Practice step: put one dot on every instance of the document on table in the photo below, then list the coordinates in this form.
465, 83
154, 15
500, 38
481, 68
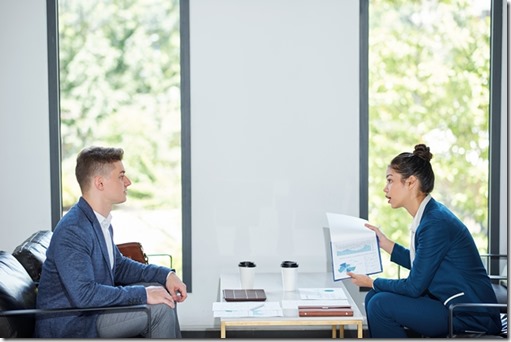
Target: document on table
354, 247
322, 293
247, 309
294, 304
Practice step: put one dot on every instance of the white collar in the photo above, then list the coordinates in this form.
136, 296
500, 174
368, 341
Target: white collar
104, 221
418, 216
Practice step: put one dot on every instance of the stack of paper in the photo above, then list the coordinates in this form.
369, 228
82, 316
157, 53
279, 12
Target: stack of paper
318, 297
247, 309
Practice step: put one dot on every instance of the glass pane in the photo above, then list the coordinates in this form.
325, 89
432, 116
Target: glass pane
120, 86
429, 83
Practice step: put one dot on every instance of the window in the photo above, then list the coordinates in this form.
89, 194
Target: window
429, 77
119, 66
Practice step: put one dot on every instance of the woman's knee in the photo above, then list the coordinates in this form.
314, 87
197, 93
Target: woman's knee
379, 301
368, 297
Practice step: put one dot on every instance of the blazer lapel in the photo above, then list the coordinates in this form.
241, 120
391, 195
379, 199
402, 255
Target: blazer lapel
99, 236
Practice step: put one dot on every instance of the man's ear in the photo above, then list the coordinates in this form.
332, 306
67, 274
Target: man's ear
98, 182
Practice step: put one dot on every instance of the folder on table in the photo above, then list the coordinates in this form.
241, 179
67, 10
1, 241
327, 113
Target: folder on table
324, 311
244, 295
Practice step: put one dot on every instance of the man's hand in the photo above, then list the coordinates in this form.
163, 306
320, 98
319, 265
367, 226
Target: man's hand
158, 295
361, 279
176, 287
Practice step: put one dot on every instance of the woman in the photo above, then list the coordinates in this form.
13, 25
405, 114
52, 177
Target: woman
445, 266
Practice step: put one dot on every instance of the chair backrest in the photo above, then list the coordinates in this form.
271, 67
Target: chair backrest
32, 252
17, 291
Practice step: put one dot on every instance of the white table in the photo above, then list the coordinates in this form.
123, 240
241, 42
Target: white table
272, 284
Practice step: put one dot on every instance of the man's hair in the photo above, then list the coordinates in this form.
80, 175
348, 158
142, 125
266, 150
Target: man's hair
92, 161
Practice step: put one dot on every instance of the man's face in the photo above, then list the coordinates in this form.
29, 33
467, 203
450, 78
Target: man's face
116, 184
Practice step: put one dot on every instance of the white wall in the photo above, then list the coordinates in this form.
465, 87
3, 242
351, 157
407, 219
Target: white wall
24, 128
274, 143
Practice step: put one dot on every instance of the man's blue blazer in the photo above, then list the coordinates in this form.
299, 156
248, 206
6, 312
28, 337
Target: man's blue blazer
77, 274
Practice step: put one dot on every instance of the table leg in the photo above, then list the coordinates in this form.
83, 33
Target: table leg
341, 331
359, 329
334, 331
222, 330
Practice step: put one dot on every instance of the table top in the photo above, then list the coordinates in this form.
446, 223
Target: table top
272, 284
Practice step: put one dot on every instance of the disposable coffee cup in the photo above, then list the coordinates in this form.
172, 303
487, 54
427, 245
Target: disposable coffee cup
289, 271
247, 274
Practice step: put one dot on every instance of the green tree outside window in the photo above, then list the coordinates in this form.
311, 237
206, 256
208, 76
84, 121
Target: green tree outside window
429, 83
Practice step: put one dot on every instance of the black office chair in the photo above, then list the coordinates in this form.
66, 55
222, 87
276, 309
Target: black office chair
18, 294
499, 283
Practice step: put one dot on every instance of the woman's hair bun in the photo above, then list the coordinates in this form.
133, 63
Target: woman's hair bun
422, 151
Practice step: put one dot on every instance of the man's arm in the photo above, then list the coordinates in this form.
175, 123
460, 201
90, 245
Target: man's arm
129, 272
82, 270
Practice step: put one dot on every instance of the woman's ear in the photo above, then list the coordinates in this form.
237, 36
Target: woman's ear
412, 181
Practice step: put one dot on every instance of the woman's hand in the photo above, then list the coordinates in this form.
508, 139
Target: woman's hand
385, 244
361, 279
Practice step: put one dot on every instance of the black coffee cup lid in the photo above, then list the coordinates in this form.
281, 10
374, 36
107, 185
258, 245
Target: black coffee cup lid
289, 264
246, 264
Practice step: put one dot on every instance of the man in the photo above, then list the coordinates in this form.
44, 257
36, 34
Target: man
84, 268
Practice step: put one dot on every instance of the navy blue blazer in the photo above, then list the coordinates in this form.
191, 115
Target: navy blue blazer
77, 273
447, 264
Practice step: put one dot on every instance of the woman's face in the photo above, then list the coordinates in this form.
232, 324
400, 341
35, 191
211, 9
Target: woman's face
395, 189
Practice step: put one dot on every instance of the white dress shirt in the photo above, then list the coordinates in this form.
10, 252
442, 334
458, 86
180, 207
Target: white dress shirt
105, 227
415, 223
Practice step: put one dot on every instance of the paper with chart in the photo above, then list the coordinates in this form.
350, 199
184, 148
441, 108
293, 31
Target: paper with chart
354, 247
247, 309
322, 293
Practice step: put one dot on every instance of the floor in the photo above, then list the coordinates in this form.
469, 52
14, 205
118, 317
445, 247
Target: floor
271, 334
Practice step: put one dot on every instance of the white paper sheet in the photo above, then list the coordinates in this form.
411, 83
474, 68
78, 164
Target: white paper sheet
354, 247
322, 293
294, 304
247, 309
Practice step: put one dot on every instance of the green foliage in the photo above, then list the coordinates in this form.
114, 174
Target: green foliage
120, 79
429, 83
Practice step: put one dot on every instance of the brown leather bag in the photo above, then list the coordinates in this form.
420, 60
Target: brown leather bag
134, 251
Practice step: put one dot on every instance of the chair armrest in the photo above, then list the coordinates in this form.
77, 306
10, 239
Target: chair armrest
491, 255
141, 307
453, 307
162, 254
493, 263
